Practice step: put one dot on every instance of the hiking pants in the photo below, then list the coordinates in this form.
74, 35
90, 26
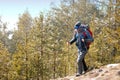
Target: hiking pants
85, 68
81, 55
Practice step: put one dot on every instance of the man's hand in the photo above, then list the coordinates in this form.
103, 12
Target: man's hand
83, 40
68, 43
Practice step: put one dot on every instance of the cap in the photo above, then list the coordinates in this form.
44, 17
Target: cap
77, 25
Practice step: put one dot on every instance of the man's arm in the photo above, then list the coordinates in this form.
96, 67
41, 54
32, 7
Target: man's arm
73, 39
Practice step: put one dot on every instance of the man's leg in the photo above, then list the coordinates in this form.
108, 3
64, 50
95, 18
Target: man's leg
81, 56
85, 68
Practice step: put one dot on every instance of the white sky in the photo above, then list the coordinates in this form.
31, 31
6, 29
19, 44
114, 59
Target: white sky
10, 9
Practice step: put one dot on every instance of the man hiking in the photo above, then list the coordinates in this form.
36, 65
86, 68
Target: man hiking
80, 37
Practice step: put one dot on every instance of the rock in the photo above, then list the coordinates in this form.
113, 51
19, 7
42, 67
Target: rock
112, 65
118, 73
108, 72
94, 75
100, 70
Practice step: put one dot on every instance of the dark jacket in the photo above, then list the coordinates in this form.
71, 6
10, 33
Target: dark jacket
79, 43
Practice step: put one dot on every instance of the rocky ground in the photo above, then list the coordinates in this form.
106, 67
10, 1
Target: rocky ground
108, 72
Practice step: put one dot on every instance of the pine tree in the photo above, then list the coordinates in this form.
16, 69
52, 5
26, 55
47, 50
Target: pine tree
4, 63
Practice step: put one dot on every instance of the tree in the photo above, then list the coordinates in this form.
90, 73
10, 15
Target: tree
106, 37
21, 38
117, 11
4, 62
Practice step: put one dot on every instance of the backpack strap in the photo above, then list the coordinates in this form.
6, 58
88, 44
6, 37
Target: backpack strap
85, 35
87, 43
90, 32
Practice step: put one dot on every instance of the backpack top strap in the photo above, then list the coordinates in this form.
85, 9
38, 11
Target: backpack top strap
85, 35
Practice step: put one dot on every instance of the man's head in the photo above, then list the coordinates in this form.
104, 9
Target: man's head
77, 27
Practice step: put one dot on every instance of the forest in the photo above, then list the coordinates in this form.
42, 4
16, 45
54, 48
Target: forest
37, 50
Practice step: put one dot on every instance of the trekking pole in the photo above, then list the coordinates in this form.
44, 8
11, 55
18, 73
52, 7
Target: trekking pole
67, 67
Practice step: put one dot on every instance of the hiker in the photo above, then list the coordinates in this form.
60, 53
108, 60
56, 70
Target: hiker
80, 35
78, 24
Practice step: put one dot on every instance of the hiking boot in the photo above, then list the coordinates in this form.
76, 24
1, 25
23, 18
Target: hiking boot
86, 69
83, 72
78, 74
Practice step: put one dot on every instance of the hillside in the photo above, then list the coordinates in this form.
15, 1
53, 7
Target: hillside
108, 72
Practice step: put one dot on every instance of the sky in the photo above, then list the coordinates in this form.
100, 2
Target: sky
11, 9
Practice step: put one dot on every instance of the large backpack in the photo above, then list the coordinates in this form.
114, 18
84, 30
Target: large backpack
88, 34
